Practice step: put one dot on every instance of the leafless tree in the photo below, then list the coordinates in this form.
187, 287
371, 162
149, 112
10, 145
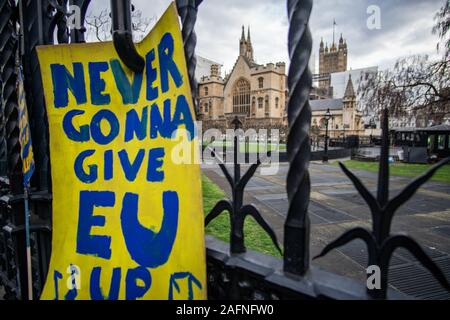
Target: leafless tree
99, 25
442, 28
415, 86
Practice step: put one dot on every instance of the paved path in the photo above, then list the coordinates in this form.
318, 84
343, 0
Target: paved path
336, 207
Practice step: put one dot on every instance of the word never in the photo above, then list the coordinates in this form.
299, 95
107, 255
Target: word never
64, 81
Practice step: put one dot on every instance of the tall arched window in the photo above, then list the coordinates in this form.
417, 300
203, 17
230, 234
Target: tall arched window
277, 102
261, 82
260, 102
206, 91
241, 96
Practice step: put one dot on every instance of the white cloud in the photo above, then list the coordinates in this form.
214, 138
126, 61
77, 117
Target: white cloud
406, 28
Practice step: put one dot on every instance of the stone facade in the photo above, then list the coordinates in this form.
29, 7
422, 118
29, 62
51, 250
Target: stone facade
346, 119
254, 93
257, 94
333, 59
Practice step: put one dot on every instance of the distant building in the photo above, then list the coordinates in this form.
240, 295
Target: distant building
257, 94
254, 93
359, 77
334, 94
333, 59
346, 120
203, 67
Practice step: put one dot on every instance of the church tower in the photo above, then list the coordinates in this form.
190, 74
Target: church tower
332, 59
349, 108
249, 46
245, 45
242, 43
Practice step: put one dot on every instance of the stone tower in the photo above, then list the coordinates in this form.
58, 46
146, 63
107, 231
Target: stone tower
245, 45
332, 60
210, 95
349, 108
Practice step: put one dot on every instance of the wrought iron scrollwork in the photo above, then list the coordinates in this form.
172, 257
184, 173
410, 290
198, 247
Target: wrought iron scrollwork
380, 243
297, 225
237, 211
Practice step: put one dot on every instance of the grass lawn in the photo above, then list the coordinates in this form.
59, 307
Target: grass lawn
255, 237
402, 169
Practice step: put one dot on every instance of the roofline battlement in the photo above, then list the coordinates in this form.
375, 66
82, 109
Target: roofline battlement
209, 79
279, 66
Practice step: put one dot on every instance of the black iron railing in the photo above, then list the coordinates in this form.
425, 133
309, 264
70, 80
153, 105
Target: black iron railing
233, 272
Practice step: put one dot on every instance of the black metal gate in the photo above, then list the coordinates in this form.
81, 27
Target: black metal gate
232, 271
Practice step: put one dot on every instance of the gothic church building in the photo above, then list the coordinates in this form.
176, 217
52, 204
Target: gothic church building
254, 93
257, 94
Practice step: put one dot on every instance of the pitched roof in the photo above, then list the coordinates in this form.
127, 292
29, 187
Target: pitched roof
246, 60
439, 127
349, 90
324, 104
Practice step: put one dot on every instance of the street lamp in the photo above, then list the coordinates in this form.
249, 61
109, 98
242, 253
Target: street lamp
327, 117
343, 133
372, 125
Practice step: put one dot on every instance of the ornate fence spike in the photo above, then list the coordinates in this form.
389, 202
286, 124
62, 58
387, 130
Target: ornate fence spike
237, 211
297, 225
380, 243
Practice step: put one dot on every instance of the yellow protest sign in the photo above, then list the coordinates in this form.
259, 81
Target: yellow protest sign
26, 150
127, 219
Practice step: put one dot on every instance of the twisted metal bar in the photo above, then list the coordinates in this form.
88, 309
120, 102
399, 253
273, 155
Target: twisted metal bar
5, 34
40, 18
297, 225
9, 41
59, 20
3, 154
187, 10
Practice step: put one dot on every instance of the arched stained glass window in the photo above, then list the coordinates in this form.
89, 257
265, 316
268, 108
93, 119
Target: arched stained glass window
241, 96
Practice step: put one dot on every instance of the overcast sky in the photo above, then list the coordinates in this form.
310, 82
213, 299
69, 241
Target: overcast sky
405, 28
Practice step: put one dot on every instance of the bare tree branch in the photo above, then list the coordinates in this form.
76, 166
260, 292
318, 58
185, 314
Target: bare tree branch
99, 25
415, 86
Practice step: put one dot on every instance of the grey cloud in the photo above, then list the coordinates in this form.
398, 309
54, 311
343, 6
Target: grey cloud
406, 28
